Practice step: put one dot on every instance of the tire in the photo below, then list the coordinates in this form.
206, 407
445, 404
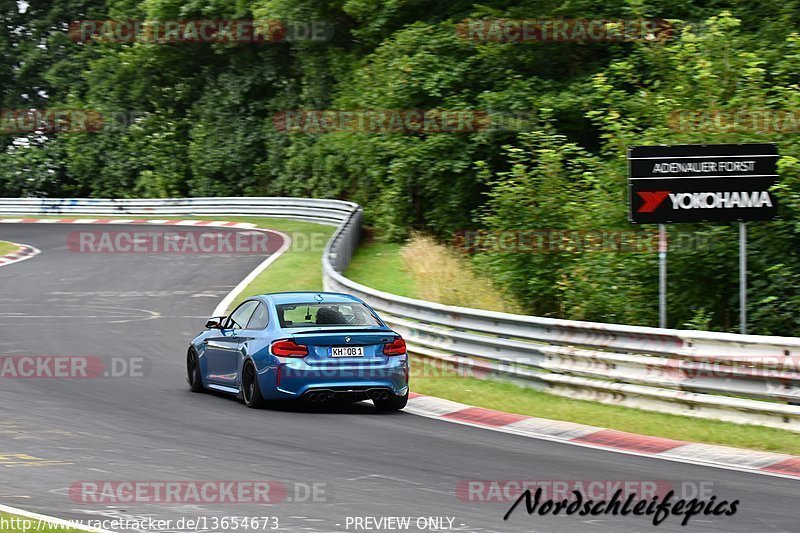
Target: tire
395, 403
251, 391
193, 372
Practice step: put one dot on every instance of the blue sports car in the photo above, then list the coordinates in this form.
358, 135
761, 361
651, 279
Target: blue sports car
316, 346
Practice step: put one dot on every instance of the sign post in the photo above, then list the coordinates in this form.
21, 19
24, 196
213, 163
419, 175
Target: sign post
743, 277
662, 275
702, 183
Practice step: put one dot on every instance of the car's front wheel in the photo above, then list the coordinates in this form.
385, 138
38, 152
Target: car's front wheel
251, 392
394, 403
193, 371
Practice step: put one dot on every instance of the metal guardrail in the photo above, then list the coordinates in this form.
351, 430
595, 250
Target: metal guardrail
317, 210
740, 378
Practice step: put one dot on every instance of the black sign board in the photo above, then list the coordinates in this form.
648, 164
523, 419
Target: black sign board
696, 183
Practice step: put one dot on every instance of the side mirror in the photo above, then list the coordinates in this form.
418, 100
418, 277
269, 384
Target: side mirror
215, 322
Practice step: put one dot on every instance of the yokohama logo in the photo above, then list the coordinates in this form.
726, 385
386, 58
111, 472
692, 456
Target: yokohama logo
652, 199
704, 200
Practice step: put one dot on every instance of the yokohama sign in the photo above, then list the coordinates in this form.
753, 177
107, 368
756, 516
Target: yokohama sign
694, 183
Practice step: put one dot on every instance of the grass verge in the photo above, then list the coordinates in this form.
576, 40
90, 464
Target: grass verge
424, 269
513, 398
7, 247
380, 265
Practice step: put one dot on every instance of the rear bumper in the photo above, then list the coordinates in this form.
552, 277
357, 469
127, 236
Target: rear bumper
349, 394
296, 379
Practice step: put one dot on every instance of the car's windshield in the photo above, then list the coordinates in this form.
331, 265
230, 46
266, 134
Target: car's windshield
301, 315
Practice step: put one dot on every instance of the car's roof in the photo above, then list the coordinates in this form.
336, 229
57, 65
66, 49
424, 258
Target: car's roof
308, 297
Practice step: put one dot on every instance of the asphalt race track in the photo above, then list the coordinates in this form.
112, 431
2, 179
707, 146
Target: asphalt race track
56, 432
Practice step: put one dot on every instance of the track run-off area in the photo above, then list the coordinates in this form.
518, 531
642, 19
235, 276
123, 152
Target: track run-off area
326, 467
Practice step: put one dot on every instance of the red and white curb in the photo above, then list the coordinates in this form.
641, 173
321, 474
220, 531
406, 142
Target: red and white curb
24, 252
765, 463
211, 223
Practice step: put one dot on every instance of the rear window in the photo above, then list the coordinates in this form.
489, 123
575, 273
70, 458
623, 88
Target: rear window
305, 315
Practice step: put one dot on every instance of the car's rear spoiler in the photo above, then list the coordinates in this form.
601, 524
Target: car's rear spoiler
339, 329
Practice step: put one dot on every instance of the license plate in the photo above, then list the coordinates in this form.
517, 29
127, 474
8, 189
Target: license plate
347, 351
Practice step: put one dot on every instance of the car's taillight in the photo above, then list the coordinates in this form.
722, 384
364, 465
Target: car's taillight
396, 347
288, 348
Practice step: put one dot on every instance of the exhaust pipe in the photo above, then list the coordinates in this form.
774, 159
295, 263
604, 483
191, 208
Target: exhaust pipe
320, 396
316, 396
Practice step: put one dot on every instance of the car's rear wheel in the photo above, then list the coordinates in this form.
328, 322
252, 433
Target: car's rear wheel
193, 371
394, 403
251, 392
